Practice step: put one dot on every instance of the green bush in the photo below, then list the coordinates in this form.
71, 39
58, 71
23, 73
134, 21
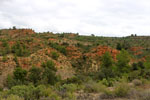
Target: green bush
70, 96
22, 91
55, 55
12, 97
121, 90
49, 73
10, 81
35, 75
70, 87
108, 94
58, 47
134, 75
20, 50
18, 78
92, 86
29, 92
123, 59
20, 74
4, 58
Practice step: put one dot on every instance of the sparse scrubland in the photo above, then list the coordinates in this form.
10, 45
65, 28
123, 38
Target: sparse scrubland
67, 66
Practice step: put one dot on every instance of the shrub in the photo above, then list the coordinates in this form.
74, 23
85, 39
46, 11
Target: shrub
123, 59
92, 86
108, 94
10, 82
16, 60
43, 91
49, 73
55, 55
144, 95
4, 58
70, 87
70, 96
22, 91
29, 92
121, 90
137, 82
13, 97
134, 75
35, 75
108, 82
54, 96
20, 50
20, 74
58, 47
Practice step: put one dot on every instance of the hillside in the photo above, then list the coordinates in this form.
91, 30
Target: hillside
71, 53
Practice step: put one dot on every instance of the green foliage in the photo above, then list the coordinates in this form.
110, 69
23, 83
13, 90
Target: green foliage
49, 64
29, 92
55, 55
107, 60
20, 50
76, 80
10, 81
58, 47
70, 87
119, 47
14, 28
121, 90
123, 61
6, 48
4, 58
134, 75
147, 63
20, 74
49, 73
35, 75
16, 60
5, 43
107, 69
92, 86
108, 82
12, 97
22, 91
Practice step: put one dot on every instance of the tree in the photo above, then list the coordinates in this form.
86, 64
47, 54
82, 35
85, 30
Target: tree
49, 74
34, 75
107, 69
14, 28
119, 47
107, 60
20, 74
123, 61
126, 45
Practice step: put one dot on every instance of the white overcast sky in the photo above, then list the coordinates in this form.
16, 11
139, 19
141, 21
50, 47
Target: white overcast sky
99, 17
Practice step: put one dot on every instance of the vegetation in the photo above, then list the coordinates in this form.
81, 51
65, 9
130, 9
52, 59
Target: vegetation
76, 68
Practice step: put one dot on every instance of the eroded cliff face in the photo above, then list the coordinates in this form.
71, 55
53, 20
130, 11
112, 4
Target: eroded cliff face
100, 50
